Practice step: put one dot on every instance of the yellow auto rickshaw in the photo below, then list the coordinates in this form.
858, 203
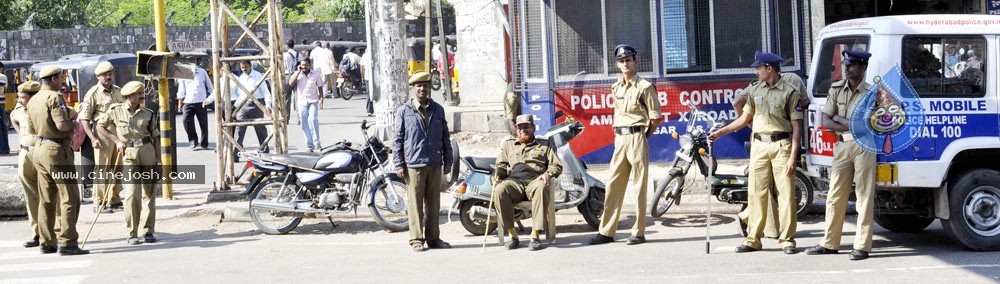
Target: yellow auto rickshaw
415, 48
17, 72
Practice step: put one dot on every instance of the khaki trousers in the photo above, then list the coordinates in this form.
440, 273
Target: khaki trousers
629, 168
850, 164
423, 203
510, 192
29, 182
103, 161
140, 195
57, 196
767, 167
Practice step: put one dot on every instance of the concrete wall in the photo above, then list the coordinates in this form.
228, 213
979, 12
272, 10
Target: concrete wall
47, 45
481, 56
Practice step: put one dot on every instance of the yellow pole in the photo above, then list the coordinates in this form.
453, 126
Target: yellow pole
427, 37
166, 130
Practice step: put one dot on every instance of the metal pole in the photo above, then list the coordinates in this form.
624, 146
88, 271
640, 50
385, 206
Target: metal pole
446, 67
708, 213
166, 129
427, 37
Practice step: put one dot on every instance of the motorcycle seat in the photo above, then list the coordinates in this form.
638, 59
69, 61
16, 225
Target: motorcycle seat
302, 160
482, 163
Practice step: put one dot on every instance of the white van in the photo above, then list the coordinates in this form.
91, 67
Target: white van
952, 171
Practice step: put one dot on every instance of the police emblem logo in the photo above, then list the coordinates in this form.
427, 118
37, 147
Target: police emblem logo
889, 117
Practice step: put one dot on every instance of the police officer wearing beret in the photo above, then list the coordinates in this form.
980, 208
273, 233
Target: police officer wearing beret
53, 158
776, 115
137, 138
96, 103
25, 168
421, 146
850, 162
637, 115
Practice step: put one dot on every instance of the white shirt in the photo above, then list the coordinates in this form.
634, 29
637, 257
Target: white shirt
291, 61
249, 81
322, 60
366, 64
353, 58
195, 91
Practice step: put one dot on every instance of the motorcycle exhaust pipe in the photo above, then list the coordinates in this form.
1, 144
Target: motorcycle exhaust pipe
479, 213
303, 207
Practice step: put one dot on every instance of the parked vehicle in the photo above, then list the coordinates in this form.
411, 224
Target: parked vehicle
349, 85
344, 177
17, 72
728, 188
574, 188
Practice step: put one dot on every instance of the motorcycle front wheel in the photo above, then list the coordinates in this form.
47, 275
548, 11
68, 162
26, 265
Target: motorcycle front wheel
593, 207
345, 92
663, 197
472, 225
269, 221
389, 207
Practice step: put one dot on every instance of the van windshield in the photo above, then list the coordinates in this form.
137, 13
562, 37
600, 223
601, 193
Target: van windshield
829, 68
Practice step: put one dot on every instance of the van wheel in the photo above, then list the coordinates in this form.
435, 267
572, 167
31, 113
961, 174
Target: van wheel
974, 207
903, 223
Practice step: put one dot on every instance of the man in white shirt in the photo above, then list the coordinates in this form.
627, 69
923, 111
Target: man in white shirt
194, 95
366, 63
309, 89
291, 61
323, 63
250, 110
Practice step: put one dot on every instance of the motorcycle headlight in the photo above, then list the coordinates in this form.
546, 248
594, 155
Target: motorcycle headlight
686, 142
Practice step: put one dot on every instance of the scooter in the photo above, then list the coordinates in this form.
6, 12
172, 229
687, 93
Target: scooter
574, 188
728, 188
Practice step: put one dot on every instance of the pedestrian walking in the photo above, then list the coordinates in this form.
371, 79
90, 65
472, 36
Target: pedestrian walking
773, 106
95, 105
851, 164
194, 94
421, 146
53, 158
309, 87
637, 115
25, 165
250, 111
136, 137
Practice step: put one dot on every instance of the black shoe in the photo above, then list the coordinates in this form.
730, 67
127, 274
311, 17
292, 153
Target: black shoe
600, 239
513, 244
133, 241
635, 240
820, 250
205, 148
438, 244
107, 210
31, 243
48, 249
149, 238
536, 244
118, 205
790, 250
745, 248
194, 147
73, 250
859, 255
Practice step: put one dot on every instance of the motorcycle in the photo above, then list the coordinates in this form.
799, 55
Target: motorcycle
728, 188
287, 187
348, 85
573, 188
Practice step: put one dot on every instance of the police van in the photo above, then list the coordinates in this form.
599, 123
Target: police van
951, 171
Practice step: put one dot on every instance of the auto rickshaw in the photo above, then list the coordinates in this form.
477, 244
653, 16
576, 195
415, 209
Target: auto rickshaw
17, 72
415, 52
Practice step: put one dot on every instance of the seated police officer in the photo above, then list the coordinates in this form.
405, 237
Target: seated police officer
523, 172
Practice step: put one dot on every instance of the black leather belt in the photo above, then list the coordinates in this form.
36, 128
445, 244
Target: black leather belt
138, 142
629, 130
54, 140
771, 137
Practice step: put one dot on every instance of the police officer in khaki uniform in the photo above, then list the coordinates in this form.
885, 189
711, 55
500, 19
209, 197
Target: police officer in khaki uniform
53, 158
25, 168
850, 162
138, 140
777, 127
524, 171
512, 108
95, 104
637, 115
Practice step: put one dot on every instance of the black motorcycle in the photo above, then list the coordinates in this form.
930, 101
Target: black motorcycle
349, 85
287, 187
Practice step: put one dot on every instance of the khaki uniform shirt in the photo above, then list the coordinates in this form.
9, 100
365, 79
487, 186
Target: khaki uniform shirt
130, 124
25, 134
424, 110
46, 109
636, 102
526, 161
512, 105
842, 99
773, 107
98, 100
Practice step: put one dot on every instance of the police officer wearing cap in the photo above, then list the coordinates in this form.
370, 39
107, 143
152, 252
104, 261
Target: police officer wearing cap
776, 115
524, 170
95, 104
637, 115
851, 164
133, 130
421, 146
25, 168
53, 158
